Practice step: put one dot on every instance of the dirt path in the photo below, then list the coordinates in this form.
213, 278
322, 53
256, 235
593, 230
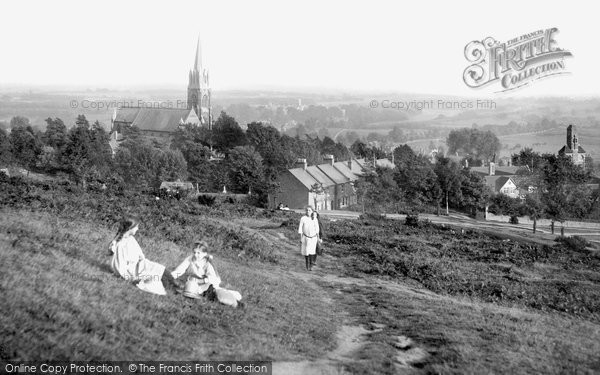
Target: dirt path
351, 336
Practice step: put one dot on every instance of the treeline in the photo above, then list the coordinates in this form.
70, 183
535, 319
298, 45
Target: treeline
226, 156
418, 185
557, 189
551, 187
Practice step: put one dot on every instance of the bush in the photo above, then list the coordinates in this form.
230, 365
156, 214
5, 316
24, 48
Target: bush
206, 200
412, 220
575, 243
371, 216
513, 219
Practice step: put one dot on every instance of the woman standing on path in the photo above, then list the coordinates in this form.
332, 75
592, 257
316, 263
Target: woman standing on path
319, 249
309, 234
130, 263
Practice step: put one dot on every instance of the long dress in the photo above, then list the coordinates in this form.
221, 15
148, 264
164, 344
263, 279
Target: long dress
309, 229
196, 270
130, 263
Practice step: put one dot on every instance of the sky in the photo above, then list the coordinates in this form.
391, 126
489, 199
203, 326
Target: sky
366, 46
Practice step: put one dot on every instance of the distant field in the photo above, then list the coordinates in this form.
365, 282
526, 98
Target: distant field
551, 141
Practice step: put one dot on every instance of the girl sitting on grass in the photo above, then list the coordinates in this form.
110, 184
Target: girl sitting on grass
203, 279
130, 263
200, 272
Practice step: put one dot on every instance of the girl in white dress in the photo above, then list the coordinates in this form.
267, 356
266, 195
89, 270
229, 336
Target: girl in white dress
309, 235
130, 263
199, 270
203, 277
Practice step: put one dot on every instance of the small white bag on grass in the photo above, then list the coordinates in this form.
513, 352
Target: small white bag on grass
228, 297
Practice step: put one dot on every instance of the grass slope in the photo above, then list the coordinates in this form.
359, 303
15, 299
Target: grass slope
61, 301
472, 303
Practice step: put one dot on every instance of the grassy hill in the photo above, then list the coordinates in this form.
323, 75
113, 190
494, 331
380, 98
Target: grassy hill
386, 297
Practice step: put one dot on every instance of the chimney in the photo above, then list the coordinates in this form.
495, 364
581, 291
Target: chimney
301, 163
330, 158
492, 168
350, 163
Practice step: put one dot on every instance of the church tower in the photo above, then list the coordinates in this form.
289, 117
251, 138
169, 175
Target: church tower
198, 97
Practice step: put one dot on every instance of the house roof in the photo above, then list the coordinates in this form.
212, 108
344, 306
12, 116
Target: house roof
176, 184
357, 166
333, 173
305, 178
496, 182
342, 167
338, 173
567, 150
320, 176
500, 171
384, 163
156, 119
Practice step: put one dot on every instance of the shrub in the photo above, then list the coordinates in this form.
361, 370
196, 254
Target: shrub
575, 243
513, 219
371, 216
206, 200
412, 220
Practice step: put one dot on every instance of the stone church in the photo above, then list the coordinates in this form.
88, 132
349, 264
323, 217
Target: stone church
162, 122
573, 149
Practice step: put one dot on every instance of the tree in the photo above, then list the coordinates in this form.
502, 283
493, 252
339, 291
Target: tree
475, 193
267, 141
87, 153
170, 165
47, 159
449, 179
56, 133
534, 208
142, 165
378, 191
25, 146
397, 135
529, 158
414, 175
560, 178
246, 171
19, 121
5, 148
482, 145
227, 133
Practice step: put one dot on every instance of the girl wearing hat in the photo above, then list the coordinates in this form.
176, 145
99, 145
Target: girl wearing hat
129, 262
309, 234
200, 272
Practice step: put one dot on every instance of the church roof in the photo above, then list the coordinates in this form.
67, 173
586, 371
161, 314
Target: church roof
567, 150
127, 114
156, 119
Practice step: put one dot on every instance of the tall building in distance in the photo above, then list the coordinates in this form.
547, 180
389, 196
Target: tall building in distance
199, 95
163, 121
573, 149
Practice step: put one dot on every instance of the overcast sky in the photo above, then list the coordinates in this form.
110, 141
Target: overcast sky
414, 46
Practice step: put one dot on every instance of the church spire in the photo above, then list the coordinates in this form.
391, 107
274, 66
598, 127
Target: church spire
198, 61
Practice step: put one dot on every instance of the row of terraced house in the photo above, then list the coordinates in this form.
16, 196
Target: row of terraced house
327, 186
